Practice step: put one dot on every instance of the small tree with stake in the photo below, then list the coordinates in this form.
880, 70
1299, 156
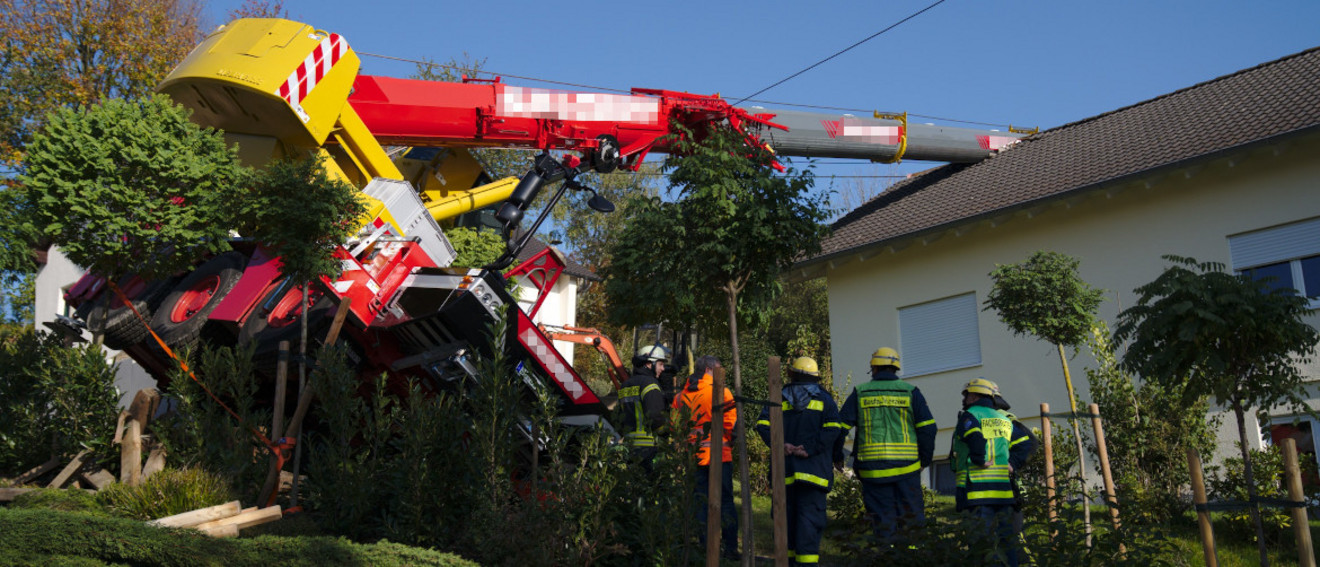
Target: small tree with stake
717, 252
1199, 330
1045, 297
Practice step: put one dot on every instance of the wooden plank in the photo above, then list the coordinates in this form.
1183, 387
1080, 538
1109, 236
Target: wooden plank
248, 518
222, 531
199, 516
155, 462
119, 428
37, 471
99, 479
68, 471
9, 494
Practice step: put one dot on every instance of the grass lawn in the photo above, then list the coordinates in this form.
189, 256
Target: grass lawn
1233, 549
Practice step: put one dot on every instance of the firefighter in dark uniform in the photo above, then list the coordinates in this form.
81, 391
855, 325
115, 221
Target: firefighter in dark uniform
895, 440
981, 464
811, 426
642, 404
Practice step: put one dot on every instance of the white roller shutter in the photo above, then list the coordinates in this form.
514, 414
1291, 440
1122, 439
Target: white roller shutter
1273, 245
939, 335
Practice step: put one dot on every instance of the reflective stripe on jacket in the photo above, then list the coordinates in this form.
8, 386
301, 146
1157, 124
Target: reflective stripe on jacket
811, 420
895, 431
641, 409
982, 436
697, 402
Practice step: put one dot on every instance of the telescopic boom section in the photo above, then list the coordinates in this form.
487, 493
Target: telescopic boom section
494, 114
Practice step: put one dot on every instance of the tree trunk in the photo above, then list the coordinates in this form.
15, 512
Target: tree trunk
302, 387
1081, 453
740, 430
1249, 476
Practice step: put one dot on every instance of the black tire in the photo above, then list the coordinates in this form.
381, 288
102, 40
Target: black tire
120, 326
267, 327
186, 308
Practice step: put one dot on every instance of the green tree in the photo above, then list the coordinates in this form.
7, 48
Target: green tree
735, 228
474, 248
65, 53
1201, 331
1045, 297
131, 186
303, 214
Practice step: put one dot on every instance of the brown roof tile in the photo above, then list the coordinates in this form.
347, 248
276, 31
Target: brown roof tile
1252, 105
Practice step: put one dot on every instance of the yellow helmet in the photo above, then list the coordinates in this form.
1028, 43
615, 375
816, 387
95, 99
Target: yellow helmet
982, 386
885, 356
805, 365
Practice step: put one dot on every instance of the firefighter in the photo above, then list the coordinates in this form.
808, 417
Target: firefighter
695, 400
895, 440
641, 403
982, 467
1021, 445
811, 426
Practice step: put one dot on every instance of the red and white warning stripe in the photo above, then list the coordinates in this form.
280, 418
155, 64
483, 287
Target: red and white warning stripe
995, 142
553, 363
523, 102
314, 68
858, 131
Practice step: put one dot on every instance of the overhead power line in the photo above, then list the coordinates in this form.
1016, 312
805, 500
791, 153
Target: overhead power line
844, 50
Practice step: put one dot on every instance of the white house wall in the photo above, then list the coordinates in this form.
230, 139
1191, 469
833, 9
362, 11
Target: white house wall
1119, 237
58, 274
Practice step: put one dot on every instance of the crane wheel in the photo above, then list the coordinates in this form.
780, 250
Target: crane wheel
110, 316
283, 321
186, 308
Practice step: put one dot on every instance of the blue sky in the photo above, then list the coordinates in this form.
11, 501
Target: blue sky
1020, 62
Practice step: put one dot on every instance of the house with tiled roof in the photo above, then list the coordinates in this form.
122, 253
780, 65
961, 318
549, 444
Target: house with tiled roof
1227, 171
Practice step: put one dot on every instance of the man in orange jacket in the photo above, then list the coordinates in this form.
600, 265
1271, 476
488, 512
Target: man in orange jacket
695, 399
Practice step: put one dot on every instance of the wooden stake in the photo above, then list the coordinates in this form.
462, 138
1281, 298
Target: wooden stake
777, 488
1047, 438
130, 457
1202, 515
1301, 525
155, 462
714, 486
1111, 497
271, 487
99, 479
144, 406
68, 471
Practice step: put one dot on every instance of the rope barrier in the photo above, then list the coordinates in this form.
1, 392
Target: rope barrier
277, 448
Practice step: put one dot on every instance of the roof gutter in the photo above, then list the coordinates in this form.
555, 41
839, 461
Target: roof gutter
798, 271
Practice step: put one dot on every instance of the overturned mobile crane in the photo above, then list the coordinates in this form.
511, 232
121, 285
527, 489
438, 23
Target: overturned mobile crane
283, 89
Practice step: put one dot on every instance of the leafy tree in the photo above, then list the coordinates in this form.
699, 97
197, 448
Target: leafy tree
131, 185
1046, 298
65, 53
1198, 330
260, 9
736, 226
303, 214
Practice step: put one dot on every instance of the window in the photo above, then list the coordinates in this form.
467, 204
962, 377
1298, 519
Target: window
940, 335
1287, 256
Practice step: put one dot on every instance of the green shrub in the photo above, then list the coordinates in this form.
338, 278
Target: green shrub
200, 433
72, 500
54, 400
166, 493
43, 537
1228, 482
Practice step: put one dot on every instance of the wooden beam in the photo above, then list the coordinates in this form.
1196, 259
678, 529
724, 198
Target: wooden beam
246, 519
37, 471
9, 494
99, 479
200, 516
68, 471
155, 462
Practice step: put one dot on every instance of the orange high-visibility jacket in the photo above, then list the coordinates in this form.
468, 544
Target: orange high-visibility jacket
698, 403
